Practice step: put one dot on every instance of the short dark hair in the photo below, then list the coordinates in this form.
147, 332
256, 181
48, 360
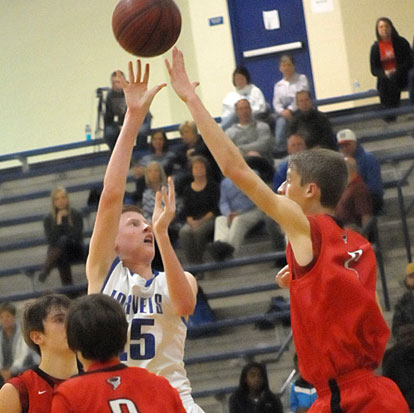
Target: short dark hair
37, 311
115, 74
241, 70
304, 91
9, 307
325, 168
96, 326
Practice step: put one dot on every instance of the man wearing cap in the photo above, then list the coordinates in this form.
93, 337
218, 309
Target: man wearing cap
368, 166
403, 319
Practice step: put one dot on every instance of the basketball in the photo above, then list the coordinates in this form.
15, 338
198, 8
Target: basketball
146, 28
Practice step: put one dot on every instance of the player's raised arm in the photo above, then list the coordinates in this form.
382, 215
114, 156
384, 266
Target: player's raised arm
101, 251
182, 286
286, 212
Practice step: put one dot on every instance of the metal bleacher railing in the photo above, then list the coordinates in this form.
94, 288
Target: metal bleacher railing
26, 170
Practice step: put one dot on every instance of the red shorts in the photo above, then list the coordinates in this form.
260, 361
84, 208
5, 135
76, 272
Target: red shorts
362, 392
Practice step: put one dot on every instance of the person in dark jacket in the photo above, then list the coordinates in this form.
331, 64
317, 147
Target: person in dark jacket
311, 123
398, 365
115, 109
390, 61
253, 394
403, 318
64, 233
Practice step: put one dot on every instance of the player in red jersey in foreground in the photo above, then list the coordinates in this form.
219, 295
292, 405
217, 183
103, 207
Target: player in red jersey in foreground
338, 329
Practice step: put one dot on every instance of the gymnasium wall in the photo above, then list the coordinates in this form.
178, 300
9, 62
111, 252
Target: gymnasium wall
340, 42
54, 54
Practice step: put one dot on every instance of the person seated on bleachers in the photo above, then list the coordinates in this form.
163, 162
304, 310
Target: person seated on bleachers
296, 143
115, 109
253, 393
316, 126
243, 89
63, 228
159, 152
193, 145
411, 79
15, 355
368, 166
354, 208
398, 365
403, 318
200, 208
390, 61
251, 136
238, 216
302, 394
284, 98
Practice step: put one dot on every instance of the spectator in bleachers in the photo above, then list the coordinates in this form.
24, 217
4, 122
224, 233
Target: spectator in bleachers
296, 143
64, 233
368, 166
411, 78
302, 394
243, 89
403, 318
253, 394
115, 109
238, 216
315, 125
284, 99
354, 208
390, 61
398, 365
15, 355
200, 207
251, 136
44, 331
155, 178
159, 152
193, 145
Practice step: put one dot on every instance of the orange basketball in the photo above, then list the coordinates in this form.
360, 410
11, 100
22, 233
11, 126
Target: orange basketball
146, 28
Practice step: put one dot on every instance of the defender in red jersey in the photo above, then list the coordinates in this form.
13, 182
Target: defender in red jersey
97, 331
338, 328
44, 332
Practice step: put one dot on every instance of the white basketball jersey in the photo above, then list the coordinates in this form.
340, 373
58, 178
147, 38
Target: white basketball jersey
156, 334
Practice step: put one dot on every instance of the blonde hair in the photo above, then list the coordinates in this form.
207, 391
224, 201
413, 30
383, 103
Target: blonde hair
163, 176
52, 203
188, 124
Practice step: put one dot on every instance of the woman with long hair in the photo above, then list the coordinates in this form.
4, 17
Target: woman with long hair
63, 228
390, 61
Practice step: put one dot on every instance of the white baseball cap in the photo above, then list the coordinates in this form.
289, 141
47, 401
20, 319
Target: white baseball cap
346, 135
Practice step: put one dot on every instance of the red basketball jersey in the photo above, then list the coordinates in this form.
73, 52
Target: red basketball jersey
35, 389
114, 387
337, 324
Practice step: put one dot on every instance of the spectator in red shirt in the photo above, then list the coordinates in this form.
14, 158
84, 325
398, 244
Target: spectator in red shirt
354, 208
390, 60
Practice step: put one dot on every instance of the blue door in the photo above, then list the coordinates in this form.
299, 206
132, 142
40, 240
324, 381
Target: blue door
259, 49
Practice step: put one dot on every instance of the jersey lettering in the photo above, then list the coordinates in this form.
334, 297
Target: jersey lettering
355, 256
139, 305
118, 404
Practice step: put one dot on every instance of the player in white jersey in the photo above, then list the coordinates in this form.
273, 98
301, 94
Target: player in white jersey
122, 249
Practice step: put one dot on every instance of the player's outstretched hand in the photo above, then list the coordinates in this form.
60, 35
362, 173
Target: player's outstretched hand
178, 75
137, 95
283, 277
164, 209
